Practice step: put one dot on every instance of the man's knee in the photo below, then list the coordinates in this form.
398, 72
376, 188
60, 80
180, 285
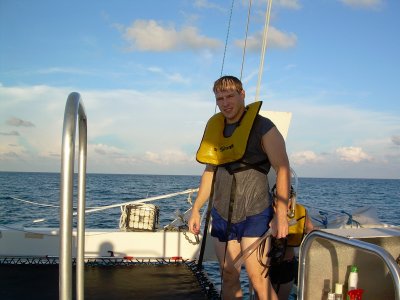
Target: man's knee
231, 274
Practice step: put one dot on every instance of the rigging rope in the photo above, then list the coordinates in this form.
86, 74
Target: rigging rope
264, 47
99, 208
34, 203
227, 38
142, 200
245, 40
40, 204
226, 45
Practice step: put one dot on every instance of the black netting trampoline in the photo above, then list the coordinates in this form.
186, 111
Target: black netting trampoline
106, 278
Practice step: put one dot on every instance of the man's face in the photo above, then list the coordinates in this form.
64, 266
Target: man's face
231, 104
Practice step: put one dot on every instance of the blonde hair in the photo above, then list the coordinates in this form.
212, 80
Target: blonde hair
227, 83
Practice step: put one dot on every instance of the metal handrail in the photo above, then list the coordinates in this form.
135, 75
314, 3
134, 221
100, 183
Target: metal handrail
368, 247
74, 113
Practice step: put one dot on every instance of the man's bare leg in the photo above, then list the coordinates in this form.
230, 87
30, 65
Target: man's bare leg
231, 288
262, 286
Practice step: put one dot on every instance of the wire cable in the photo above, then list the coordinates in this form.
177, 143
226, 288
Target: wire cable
264, 47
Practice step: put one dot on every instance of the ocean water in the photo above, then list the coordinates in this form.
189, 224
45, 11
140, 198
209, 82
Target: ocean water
106, 189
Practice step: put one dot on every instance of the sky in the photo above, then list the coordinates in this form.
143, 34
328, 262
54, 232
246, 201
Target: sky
145, 70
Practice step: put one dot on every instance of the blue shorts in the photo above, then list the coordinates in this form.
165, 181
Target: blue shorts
253, 226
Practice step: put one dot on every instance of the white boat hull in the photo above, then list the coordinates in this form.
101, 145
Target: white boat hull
104, 242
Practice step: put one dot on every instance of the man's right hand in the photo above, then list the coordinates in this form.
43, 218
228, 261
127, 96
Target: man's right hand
194, 222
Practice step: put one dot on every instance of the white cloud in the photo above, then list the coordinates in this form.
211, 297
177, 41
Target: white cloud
275, 39
9, 155
352, 154
304, 157
51, 155
291, 4
159, 132
128, 131
106, 150
108, 157
172, 77
149, 35
9, 151
168, 157
208, 5
290, 66
19, 122
319, 127
396, 140
369, 4
15, 133
64, 70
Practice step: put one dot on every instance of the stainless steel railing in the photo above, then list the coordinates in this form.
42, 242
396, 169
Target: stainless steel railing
74, 113
368, 247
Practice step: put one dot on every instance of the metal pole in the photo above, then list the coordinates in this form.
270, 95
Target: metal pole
80, 263
73, 108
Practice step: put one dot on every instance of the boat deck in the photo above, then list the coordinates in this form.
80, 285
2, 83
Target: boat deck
32, 278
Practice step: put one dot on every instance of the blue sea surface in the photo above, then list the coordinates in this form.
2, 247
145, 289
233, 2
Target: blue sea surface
106, 189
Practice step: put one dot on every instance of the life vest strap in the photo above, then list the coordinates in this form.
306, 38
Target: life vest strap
247, 166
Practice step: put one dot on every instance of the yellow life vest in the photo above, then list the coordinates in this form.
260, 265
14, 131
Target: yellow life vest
297, 230
215, 149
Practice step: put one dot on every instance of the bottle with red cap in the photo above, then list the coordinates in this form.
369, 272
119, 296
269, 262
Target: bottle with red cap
353, 278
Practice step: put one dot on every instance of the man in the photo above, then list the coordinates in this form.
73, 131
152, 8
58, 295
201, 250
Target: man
239, 146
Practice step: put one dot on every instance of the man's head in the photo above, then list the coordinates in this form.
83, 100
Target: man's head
230, 95
227, 83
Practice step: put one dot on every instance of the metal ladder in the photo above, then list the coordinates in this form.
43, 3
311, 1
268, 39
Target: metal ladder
74, 114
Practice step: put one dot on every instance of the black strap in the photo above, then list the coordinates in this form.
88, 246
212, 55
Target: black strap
230, 211
203, 242
228, 226
243, 166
